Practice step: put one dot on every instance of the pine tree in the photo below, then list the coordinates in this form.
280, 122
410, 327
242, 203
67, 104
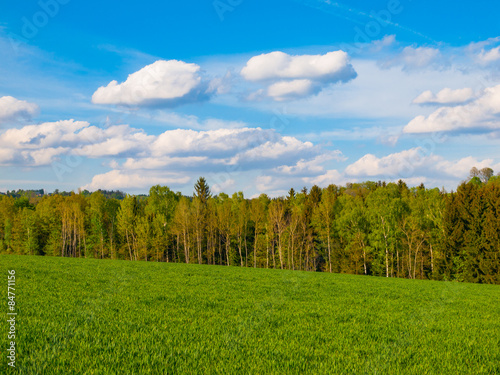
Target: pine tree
202, 190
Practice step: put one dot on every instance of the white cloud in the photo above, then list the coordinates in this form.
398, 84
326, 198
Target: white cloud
489, 56
12, 109
35, 145
297, 88
275, 149
381, 44
117, 179
6, 155
475, 47
117, 140
333, 66
163, 83
381, 95
220, 141
292, 77
401, 164
48, 134
461, 168
415, 165
412, 58
224, 151
445, 96
306, 171
138, 160
44, 156
482, 114
272, 186
308, 167
42, 144
162, 162
330, 177
193, 122
223, 186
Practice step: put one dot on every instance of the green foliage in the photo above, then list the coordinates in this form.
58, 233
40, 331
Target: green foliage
87, 316
202, 190
370, 228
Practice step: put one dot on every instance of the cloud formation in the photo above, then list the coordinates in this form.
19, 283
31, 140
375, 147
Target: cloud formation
284, 90
490, 56
412, 58
481, 114
291, 77
445, 96
163, 83
12, 109
224, 153
413, 164
330, 177
35, 145
138, 160
125, 180
310, 167
332, 66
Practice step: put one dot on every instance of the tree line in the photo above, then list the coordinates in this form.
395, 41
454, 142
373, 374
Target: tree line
369, 228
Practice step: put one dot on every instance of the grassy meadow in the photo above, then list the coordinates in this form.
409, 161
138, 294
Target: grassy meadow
84, 316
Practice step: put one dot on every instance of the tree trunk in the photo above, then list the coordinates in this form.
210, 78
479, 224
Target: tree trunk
397, 257
329, 251
432, 261
246, 246
386, 249
228, 245
267, 251
239, 249
255, 248
280, 250
128, 243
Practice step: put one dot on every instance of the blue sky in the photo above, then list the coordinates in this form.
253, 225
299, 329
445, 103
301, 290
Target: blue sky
255, 96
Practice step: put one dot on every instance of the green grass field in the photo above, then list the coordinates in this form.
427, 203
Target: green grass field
80, 316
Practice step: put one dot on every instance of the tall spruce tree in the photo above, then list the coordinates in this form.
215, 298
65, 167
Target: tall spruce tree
202, 190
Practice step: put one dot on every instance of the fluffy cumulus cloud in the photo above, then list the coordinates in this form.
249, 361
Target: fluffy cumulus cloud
402, 164
37, 145
415, 165
290, 77
220, 142
163, 83
332, 66
12, 109
225, 153
445, 97
135, 159
481, 114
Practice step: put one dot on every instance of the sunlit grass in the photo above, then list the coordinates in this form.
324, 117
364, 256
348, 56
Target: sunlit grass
119, 317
